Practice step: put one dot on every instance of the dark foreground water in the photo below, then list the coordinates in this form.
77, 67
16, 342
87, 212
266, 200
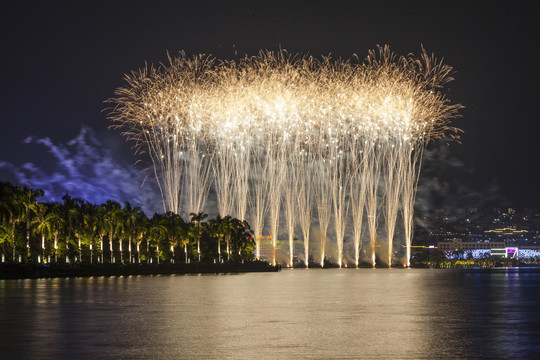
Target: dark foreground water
321, 314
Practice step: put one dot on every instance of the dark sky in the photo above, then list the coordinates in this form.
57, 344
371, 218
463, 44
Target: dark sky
61, 60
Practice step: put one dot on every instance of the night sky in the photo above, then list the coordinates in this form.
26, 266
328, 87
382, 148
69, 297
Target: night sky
61, 60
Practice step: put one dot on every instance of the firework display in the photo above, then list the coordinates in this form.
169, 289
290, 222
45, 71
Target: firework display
289, 134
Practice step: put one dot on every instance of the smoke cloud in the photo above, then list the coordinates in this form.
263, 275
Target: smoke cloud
449, 184
86, 169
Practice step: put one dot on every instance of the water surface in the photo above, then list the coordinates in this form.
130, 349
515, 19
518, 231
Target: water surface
319, 314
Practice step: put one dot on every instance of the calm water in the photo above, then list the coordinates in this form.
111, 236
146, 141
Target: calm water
320, 314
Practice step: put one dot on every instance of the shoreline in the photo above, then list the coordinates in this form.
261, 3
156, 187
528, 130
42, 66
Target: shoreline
13, 271
9, 271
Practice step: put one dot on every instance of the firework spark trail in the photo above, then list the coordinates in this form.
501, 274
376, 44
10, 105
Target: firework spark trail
276, 174
411, 173
393, 177
359, 169
223, 171
290, 189
323, 186
323, 193
241, 180
258, 199
198, 179
372, 194
305, 173
358, 130
340, 178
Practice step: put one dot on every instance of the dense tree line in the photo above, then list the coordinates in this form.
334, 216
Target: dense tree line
76, 230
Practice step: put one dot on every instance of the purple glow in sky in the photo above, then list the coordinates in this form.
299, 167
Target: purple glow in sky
86, 169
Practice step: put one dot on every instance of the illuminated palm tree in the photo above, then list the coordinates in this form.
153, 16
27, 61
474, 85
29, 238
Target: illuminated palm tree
215, 232
42, 226
226, 228
175, 227
198, 219
139, 233
192, 234
101, 226
131, 219
242, 239
111, 216
11, 210
73, 220
87, 229
185, 241
28, 205
56, 223
157, 233
5, 215
222, 228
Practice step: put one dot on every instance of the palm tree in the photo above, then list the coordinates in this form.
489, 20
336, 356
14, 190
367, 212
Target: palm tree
79, 224
111, 216
175, 226
157, 233
242, 239
11, 211
185, 241
226, 228
197, 219
15, 218
216, 227
87, 230
42, 226
56, 223
132, 219
101, 226
5, 214
73, 220
28, 204
121, 230
139, 233
4, 237
192, 234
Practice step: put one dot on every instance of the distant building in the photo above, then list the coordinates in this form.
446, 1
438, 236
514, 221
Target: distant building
508, 252
516, 253
516, 227
532, 252
458, 244
508, 231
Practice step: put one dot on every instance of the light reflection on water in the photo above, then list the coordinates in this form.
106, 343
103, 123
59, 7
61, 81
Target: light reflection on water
297, 313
